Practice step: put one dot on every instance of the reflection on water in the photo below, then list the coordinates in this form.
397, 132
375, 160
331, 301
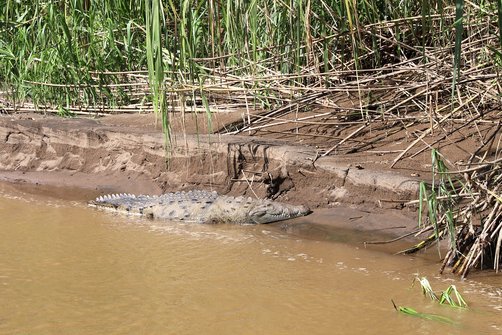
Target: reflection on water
68, 269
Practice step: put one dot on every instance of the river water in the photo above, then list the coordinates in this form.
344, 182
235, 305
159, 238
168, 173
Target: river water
69, 269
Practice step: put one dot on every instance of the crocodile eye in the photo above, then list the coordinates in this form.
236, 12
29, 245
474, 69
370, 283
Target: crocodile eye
270, 206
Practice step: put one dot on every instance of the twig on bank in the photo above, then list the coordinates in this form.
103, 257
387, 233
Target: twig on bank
394, 239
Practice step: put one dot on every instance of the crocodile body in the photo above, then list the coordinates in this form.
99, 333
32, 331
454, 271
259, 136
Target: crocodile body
201, 207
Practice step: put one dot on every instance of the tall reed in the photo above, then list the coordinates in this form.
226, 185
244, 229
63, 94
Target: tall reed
72, 51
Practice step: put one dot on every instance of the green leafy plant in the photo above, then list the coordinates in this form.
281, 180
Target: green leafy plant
451, 296
453, 202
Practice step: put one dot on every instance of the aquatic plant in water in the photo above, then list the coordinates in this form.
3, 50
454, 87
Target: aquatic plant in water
450, 297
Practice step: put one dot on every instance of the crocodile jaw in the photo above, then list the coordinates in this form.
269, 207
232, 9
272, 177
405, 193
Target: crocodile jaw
271, 212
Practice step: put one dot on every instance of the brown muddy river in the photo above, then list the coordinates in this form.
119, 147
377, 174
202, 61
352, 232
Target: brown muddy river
69, 269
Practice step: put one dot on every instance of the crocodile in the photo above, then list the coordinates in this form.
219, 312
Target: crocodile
201, 207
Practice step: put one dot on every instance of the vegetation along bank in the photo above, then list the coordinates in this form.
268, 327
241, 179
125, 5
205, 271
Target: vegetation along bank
408, 89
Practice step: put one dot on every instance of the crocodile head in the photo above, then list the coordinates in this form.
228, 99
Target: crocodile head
267, 212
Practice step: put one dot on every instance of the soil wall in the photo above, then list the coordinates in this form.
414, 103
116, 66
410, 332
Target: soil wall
122, 157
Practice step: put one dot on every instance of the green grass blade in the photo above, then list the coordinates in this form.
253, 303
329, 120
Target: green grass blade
499, 10
447, 298
459, 30
422, 198
426, 316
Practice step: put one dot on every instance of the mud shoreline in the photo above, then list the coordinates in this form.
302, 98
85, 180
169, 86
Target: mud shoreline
127, 154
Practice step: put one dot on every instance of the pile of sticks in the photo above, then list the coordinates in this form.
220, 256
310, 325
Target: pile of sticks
478, 242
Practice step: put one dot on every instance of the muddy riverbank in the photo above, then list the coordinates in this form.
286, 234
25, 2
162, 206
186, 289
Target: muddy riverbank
82, 158
126, 153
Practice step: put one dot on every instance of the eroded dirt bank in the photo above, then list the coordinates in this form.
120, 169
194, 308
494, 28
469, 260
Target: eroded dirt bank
121, 156
127, 154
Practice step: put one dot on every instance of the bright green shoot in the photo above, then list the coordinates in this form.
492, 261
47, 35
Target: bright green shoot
440, 200
452, 297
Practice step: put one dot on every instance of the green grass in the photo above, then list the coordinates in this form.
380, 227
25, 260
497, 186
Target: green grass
452, 204
440, 199
450, 297
73, 52
426, 316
